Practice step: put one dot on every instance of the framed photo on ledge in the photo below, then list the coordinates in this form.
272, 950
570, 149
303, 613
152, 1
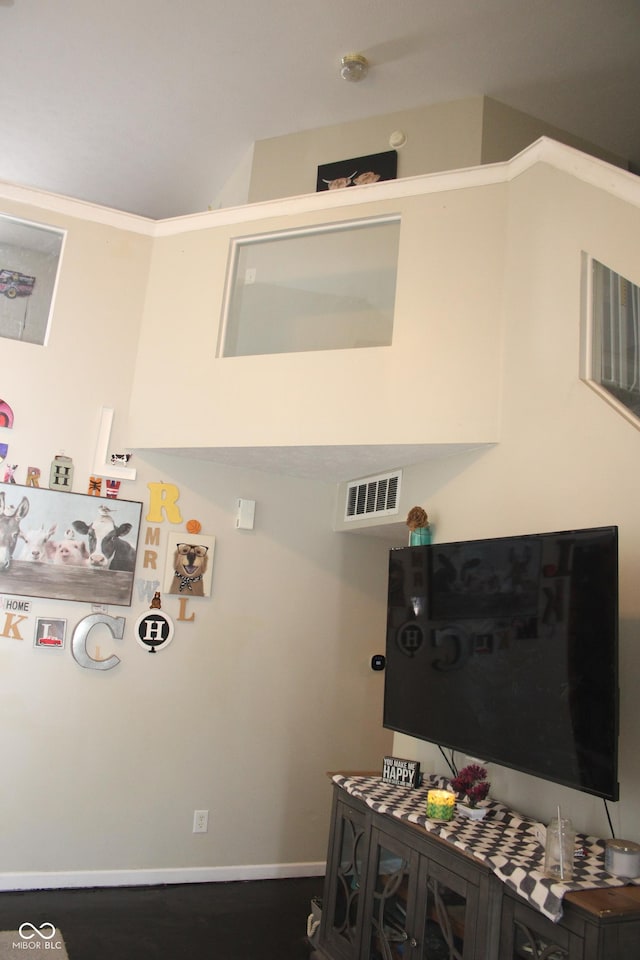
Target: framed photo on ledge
30, 255
358, 171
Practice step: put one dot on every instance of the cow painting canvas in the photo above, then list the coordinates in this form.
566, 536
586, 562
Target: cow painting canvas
67, 546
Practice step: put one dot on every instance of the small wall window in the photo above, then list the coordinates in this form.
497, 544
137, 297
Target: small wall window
612, 355
321, 288
29, 260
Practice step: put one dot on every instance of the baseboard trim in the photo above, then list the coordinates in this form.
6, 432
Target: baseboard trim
136, 878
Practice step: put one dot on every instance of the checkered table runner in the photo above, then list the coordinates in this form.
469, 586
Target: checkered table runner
504, 840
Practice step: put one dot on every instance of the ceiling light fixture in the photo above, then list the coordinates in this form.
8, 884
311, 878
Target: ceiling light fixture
354, 67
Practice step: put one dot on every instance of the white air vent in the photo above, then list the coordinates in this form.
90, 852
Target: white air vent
373, 496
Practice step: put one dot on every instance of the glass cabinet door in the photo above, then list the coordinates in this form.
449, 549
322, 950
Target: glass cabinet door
391, 882
448, 914
344, 904
528, 935
529, 945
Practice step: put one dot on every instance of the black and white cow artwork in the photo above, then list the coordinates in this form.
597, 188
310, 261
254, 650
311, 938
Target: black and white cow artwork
118, 553
107, 548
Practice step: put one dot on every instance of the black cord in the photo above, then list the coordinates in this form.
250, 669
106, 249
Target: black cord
606, 808
448, 762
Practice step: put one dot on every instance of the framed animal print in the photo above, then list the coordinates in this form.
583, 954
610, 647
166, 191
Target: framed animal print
30, 255
67, 546
189, 565
358, 171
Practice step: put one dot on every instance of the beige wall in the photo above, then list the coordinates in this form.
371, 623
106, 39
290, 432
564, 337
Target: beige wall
504, 258
441, 136
262, 692
58, 390
565, 459
505, 132
269, 686
440, 340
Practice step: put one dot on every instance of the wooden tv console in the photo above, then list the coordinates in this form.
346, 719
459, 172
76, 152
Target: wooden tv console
393, 891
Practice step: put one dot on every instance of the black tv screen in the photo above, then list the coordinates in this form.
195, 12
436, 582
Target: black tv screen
507, 650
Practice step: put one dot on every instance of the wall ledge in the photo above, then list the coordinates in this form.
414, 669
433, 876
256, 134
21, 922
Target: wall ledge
582, 166
70, 207
567, 159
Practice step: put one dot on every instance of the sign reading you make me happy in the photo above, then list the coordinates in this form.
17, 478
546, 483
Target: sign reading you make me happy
402, 773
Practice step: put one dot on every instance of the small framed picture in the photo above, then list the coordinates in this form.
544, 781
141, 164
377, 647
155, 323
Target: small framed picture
30, 256
50, 633
189, 565
358, 171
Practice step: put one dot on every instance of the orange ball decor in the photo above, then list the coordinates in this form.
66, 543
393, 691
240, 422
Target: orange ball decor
194, 526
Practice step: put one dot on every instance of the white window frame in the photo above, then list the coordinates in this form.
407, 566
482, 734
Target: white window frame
591, 339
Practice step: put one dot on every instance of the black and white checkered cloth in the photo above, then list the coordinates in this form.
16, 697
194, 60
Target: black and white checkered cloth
504, 840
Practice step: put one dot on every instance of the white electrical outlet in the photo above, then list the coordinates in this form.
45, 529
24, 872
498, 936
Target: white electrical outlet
200, 821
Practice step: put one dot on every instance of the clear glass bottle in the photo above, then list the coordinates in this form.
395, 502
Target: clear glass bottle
560, 849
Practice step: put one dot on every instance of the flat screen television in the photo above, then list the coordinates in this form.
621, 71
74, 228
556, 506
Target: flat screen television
507, 650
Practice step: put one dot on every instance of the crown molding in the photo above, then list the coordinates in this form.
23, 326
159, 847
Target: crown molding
591, 170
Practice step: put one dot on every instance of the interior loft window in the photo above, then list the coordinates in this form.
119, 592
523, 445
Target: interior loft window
613, 350
29, 261
320, 288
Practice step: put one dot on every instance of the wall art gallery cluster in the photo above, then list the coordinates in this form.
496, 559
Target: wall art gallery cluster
94, 550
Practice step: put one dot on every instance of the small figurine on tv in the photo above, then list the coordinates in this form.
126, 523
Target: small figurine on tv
419, 530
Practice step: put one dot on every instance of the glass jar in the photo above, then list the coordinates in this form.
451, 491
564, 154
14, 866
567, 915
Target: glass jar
419, 536
559, 849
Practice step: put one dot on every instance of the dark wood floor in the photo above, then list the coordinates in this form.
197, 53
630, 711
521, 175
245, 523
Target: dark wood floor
247, 920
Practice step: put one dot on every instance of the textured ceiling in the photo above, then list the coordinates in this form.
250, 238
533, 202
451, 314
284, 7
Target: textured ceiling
332, 464
149, 106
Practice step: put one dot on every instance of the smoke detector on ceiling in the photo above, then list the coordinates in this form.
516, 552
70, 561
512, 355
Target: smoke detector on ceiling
354, 67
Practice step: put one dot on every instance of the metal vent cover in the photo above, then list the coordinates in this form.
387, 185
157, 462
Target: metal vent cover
373, 496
